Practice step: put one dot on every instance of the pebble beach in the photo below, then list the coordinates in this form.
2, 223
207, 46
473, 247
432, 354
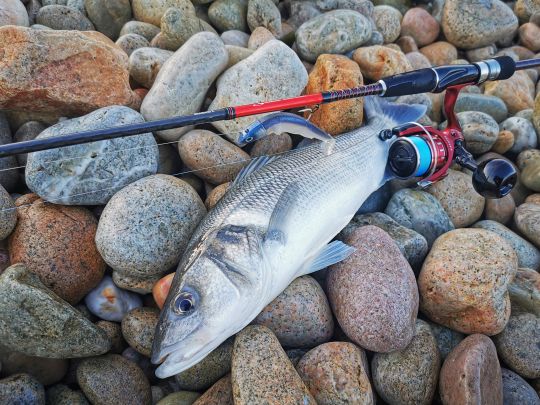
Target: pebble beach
439, 303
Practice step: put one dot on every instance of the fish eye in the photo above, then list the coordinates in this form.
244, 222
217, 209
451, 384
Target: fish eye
183, 303
249, 139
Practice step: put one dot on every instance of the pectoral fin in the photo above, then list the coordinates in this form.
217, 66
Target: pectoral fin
332, 253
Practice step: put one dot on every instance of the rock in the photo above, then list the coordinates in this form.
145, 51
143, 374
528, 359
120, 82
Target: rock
130, 42
529, 35
302, 11
218, 394
529, 163
412, 245
272, 72
421, 212
59, 72
264, 13
151, 11
114, 332
161, 289
61, 394
418, 60
337, 31
446, 338
144, 364
379, 61
517, 92
336, 72
489, 105
12, 12
500, 209
8, 165
466, 289
109, 302
46, 371
149, 31
420, 25
181, 84
180, 398
337, 373
134, 283
138, 327
209, 370
26, 132
109, 16
271, 145
505, 142
525, 292
482, 53
440, 53
51, 328
388, 22
215, 195
407, 44
8, 214
470, 25
471, 373
528, 255
234, 37
526, 219
228, 15
178, 25
113, 379
63, 18
300, 316
169, 161
213, 158
536, 114
523, 132
459, 198
376, 200
259, 37
379, 319
409, 376
518, 345
516, 390
91, 173
145, 64
21, 389
533, 199
158, 205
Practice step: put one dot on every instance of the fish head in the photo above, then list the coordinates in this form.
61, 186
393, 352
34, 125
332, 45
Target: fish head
216, 291
252, 133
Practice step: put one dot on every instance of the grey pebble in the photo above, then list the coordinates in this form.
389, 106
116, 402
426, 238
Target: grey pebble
227, 15
490, 105
63, 18
145, 64
264, 13
524, 133
26, 132
236, 38
516, 391
108, 16
147, 30
21, 389
131, 42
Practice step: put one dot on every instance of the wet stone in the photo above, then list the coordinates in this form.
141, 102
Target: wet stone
21, 389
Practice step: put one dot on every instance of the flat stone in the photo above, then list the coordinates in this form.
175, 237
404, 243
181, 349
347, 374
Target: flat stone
109, 16
138, 327
21, 389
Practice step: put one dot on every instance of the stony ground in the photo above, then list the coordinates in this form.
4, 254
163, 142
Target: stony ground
440, 303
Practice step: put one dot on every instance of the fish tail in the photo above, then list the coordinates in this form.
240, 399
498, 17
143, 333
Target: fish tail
392, 113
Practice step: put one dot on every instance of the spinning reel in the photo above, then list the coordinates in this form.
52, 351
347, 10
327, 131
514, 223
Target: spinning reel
423, 151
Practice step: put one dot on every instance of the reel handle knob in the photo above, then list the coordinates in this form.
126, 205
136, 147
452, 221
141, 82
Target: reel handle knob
494, 178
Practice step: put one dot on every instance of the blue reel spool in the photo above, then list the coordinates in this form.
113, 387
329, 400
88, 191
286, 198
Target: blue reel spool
410, 156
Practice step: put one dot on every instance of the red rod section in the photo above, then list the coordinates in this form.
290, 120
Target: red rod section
278, 105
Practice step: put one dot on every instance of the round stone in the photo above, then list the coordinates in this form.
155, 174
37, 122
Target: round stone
272, 145
420, 25
526, 219
440, 53
418, 60
131, 42
480, 131
108, 16
180, 398
523, 132
149, 31
530, 169
379, 61
12, 12
517, 92
178, 25
8, 214
228, 15
138, 327
264, 13
500, 209
529, 36
109, 302
388, 22
63, 18
21, 389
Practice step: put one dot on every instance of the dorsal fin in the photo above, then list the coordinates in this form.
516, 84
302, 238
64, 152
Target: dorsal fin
255, 164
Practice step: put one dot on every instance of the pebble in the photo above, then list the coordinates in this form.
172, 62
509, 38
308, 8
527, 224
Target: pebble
109, 16
46, 371
264, 13
8, 165
471, 25
300, 316
480, 54
149, 31
517, 92
131, 42
181, 84
236, 53
272, 72
529, 36
421, 212
525, 9
111, 303
262, 373
516, 390
63, 18
134, 282
52, 329
178, 25
228, 15
100, 168
61, 394
526, 219
145, 64
525, 292
42, 231
420, 25
336, 72
489, 105
505, 142
418, 60
60, 71
388, 22
12, 12
235, 37
8, 214
379, 61
26, 132
407, 44
471, 373
523, 131
215, 195
180, 398
379, 319
446, 338
302, 11
500, 209
259, 37
21, 389
218, 394
160, 205
271, 145
412, 245
337, 373
440, 53
151, 11
114, 332
337, 31
112, 379
528, 163
465, 289
209, 370
409, 376
138, 327
518, 345
533, 198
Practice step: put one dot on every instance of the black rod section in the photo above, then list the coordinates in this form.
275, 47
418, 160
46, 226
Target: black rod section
527, 64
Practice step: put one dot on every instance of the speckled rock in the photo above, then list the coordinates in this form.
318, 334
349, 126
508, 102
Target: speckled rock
471, 373
500, 209
109, 302
533, 198
505, 142
470, 25
52, 329
388, 22
151, 11
517, 92
261, 371
272, 72
218, 394
180, 87
215, 195
130, 42
529, 36
528, 255
42, 231
138, 327
209, 370
180, 398
149, 31
440, 53
529, 164
259, 37
161, 205
379, 61
235, 37
112, 379
421, 212
527, 221
336, 72
8, 214
46, 371
135, 283
264, 13
446, 338
109, 16
90, 174
27, 132
271, 145
490, 105
178, 25
418, 60
420, 25
466, 289
379, 319
525, 292
337, 31
302, 11
525, 9
114, 332
61, 394
21, 389
12, 12
337, 373
523, 131
228, 15
300, 316
516, 390
409, 376
145, 63
518, 345
63, 18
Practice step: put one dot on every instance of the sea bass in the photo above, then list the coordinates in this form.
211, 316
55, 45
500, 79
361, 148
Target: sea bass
273, 225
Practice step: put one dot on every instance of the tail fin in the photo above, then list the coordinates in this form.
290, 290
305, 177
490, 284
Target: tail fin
392, 113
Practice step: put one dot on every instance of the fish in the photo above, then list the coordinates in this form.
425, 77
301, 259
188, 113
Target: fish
275, 223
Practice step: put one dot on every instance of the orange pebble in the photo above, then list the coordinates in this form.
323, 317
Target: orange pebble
161, 289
